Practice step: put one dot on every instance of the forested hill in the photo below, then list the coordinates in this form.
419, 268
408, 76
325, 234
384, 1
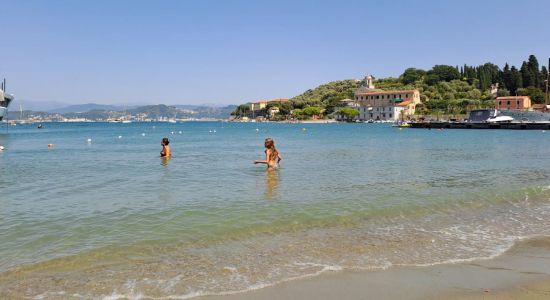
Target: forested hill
443, 88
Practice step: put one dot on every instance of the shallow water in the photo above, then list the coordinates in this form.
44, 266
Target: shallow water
110, 219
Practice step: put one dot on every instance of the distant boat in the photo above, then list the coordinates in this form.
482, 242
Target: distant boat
5, 100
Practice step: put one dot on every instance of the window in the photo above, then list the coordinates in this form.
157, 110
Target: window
517, 103
383, 115
508, 103
377, 109
390, 115
407, 96
377, 97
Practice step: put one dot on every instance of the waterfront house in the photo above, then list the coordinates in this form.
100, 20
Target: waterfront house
259, 108
513, 103
377, 104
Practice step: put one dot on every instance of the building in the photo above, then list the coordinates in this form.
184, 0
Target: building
259, 108
513, 102
376, 104
350, 103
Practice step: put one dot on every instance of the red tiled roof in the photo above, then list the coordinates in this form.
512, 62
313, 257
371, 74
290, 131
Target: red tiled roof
386, 92
405, 103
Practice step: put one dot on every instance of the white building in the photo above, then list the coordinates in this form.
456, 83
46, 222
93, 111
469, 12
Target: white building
376, 104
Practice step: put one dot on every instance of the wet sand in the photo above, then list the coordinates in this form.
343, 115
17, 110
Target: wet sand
523, 272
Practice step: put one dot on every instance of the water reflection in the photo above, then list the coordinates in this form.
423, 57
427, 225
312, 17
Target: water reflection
272, 183
164, 161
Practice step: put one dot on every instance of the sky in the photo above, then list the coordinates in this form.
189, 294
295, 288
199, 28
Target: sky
235, 51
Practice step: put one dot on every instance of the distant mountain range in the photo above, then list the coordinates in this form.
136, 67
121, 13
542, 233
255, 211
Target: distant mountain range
90, 106
99, 112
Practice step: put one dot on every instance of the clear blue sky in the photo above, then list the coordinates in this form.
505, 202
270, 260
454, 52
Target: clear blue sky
205, 51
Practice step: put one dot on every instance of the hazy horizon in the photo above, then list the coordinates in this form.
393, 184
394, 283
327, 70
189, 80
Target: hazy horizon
231, 52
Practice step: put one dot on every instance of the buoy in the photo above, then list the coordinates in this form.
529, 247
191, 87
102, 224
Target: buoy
50, 145
180, 132
143, 134
120, 136
544, 131
89, 141
257, 129
210, 131
1, 148
303, 129
171, 132
214, 130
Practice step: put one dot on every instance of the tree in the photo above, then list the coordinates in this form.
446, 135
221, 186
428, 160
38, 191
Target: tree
349, 113
241, 110
534, 72
311, 110
516, 80
412, 75
536, 94
526, 75
445, 72
507, 77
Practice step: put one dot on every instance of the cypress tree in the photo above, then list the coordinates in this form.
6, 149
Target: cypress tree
516, 81
507, 77
526, 75
534, 71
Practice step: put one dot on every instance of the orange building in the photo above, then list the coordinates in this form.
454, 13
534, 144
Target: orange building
513, 102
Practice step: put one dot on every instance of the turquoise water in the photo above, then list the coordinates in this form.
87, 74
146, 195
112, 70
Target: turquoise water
110, 219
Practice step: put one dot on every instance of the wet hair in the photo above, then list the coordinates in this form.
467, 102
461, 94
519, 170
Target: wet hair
270, 144
165, 141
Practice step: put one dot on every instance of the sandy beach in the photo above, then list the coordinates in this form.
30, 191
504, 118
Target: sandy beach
523, 272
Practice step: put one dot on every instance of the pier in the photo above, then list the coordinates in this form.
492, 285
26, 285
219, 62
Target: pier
484, 125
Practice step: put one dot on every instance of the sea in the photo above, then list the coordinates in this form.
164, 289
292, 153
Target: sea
99, 215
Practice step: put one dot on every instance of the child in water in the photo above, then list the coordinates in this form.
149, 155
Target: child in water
272, 156
165, 152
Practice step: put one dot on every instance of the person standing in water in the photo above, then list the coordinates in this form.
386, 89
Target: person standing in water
165, 152
272, 156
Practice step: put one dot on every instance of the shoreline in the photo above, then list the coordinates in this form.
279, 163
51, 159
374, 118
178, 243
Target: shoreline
522, 272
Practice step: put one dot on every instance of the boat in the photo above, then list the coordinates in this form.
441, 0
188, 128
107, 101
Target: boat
401, 124
5, 100
500, 119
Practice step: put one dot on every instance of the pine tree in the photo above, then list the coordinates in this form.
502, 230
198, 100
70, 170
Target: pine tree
516, 81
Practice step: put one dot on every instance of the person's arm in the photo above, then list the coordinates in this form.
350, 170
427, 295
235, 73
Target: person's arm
263, 161
279, 158
163, 151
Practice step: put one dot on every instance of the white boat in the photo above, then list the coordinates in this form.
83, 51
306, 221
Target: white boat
500, 119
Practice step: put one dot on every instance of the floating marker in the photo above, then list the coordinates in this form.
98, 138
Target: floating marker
89, 141
171, 132
214, 130
180, 132
257, 129
50, 145
544, 131
120, 136
143, 134
210, 131
1, 148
